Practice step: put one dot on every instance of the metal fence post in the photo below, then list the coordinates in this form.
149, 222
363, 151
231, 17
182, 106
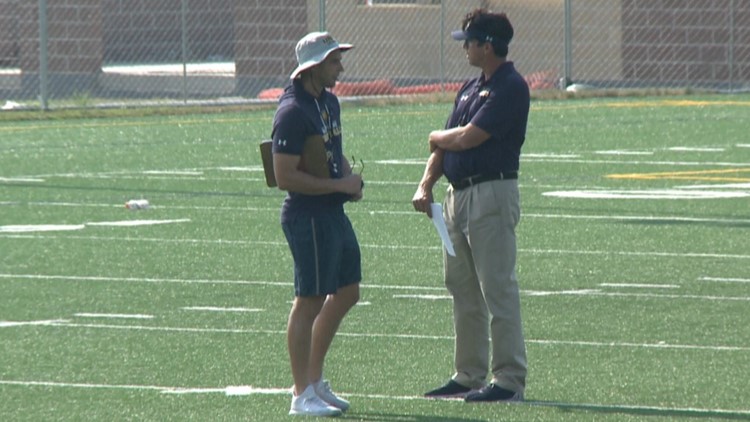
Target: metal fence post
321, 15
442, 46
43, 56
731, 46
184, 12
567, 72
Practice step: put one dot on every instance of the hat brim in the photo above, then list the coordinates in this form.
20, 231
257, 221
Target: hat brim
318, 59
460, 35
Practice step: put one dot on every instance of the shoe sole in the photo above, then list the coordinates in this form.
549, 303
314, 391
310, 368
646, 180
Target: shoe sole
301, 413
514, 399
342, 408
450, 396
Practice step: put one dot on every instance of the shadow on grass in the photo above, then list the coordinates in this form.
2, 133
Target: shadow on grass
395, 417
622, 216
715, 414
721, 222
138, 191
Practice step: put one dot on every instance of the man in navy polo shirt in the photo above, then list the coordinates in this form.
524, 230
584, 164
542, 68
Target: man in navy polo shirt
327, 267
479, 153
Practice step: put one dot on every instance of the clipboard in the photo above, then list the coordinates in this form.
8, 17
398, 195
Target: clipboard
314, 159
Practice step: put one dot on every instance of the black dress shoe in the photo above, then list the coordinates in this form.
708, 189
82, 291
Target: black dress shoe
494, 393
451, 389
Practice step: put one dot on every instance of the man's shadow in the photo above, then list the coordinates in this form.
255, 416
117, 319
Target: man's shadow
395, 417
635, 410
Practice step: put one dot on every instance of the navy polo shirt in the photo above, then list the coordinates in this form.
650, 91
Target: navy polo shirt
500, 107
298, 116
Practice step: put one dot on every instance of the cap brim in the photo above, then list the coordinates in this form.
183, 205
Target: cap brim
308, 64
460, 35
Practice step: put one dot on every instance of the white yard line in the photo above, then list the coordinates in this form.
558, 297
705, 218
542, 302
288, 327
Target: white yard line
193, 330
631, 253
21, 180
113, 316
134, 223
375, 246
424, 297
726, 280
36, 228
6, 324
697, 149
143, 279
567, 292
665, 218
670, 194
246, 390
412, 213
640, 285
220, 309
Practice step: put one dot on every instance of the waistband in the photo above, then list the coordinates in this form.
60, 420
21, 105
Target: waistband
475, 180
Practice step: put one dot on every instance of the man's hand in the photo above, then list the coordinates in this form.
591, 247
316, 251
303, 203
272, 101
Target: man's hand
422, 200
351, 184
358, 196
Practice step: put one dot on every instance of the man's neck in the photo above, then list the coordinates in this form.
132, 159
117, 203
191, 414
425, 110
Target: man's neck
491, 67
311, 86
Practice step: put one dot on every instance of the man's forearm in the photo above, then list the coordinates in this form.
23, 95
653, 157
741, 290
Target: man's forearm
433, 170
458, 138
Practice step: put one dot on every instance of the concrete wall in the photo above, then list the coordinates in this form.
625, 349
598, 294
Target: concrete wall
403, 41
410, 45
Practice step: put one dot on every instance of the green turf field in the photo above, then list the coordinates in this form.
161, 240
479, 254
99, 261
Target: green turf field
634, 264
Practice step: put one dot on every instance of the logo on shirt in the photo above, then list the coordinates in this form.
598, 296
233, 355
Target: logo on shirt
330, 130
465, 97
281, 142
485, 93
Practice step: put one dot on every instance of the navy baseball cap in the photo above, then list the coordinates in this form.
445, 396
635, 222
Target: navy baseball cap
470, 34
494, 28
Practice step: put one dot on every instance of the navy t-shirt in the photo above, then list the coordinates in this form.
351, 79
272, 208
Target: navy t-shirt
500, 107
298, 116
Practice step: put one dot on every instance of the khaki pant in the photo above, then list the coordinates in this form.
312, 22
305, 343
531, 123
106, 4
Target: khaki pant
481, 220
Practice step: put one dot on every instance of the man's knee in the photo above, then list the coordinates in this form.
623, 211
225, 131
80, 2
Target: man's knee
308, 306
347, 296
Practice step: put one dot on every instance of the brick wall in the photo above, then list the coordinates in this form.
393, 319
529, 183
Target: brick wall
266, 32
151, 30
75, 36
633, 42
676, 40
9, 33
74, 45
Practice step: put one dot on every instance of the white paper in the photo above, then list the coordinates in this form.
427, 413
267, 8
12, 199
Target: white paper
437, 220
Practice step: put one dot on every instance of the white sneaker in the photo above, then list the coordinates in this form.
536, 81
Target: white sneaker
309, 404
323, 390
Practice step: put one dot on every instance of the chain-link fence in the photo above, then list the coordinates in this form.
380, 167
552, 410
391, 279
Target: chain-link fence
56, 53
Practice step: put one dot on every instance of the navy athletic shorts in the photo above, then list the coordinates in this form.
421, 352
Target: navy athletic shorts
325, 251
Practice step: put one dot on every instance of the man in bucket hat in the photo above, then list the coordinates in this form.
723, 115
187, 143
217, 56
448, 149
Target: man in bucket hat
327, 265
